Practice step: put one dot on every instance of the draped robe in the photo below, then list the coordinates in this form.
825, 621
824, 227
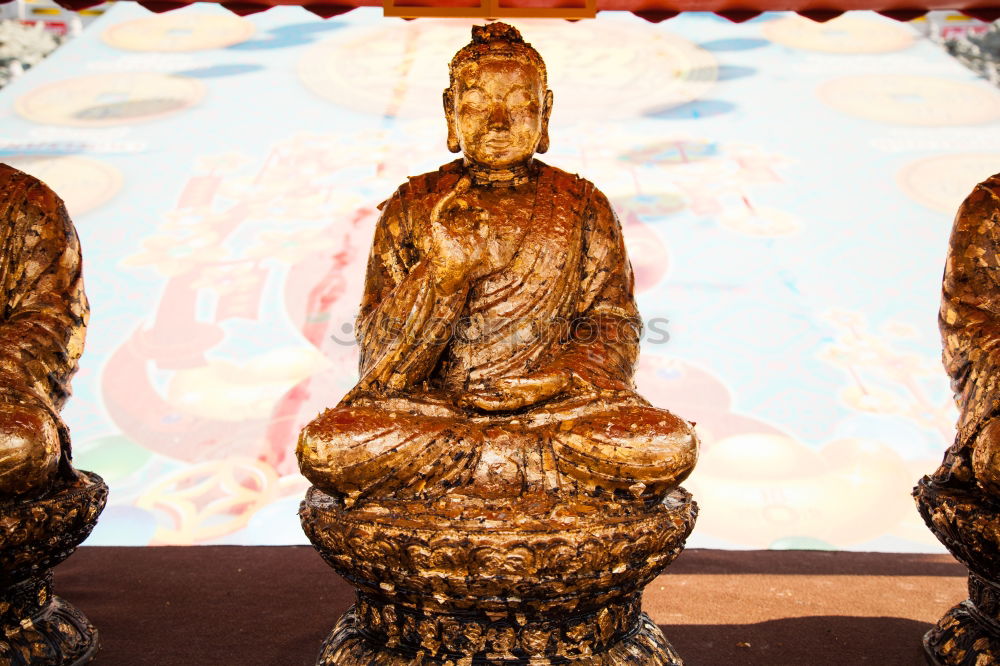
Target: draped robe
970, 325
565, 300
42, 326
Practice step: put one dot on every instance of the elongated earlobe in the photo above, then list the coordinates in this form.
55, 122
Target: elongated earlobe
449, 117
543, 142
453, 144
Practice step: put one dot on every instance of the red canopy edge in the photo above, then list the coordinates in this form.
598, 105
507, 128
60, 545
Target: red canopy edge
650, 10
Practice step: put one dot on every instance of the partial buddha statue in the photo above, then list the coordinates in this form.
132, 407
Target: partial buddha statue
498, 328
47, 508
970, 330
42, 325
960, 502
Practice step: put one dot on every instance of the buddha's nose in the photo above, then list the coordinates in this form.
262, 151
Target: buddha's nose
499, 117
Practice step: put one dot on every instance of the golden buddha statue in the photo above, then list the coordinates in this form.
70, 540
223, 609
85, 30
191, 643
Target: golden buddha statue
970, 330
42, 328
493, 485
498, 328
46, 507
960, 502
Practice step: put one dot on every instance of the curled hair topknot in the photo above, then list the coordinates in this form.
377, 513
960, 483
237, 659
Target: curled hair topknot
496, 32
494, 39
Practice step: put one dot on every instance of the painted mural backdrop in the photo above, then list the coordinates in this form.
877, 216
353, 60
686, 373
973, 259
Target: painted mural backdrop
785, 187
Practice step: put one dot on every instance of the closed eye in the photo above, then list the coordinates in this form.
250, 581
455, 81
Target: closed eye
519, 99
473, 100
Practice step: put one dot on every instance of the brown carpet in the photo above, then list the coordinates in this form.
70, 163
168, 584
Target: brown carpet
272, 606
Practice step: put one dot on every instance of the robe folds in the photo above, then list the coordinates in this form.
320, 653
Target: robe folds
970, 324
564, 301
43, 308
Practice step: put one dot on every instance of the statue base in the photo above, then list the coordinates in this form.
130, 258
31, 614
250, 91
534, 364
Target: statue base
347, 645
967, 523
462, 580
39, 629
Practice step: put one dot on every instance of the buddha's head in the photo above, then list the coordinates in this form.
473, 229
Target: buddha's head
497, 104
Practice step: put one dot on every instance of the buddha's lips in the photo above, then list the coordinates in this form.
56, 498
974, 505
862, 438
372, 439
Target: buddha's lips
497, 143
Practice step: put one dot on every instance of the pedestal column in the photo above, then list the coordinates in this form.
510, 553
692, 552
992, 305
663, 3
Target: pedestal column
968, 524
38, 628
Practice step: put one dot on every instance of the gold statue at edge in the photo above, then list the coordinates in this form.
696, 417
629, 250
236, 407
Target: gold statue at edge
42, 328
47, 508
498, 328
969, 318
960, 502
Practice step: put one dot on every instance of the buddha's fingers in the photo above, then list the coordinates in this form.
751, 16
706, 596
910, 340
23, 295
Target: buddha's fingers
460, 188
494, 403
545, 383
510, 393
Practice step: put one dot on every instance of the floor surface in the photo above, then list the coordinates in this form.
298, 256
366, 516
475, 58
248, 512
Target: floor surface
272, 606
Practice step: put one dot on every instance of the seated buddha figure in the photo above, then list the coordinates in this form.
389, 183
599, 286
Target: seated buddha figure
970, 330
42, 325
498, 330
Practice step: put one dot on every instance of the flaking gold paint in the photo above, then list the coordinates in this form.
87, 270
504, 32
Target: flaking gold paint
47, 508
494, 486
960, 502
43, 319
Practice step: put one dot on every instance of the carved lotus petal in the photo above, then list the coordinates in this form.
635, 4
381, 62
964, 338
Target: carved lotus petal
534, 639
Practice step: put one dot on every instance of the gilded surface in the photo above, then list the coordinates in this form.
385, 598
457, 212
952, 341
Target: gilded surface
967, 524
500, 582
493, 486
541, 561
42, 324
960, 502
36, 534
348, 645
498, 329
46, 507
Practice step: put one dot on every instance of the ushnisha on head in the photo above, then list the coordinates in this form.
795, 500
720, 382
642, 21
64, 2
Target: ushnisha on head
497, 104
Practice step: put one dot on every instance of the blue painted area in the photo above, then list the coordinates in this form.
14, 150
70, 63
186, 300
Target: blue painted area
215, 71
734, 44
288, 36
732, 72
697, 110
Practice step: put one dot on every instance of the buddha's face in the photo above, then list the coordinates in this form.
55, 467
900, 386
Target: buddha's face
498, 110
